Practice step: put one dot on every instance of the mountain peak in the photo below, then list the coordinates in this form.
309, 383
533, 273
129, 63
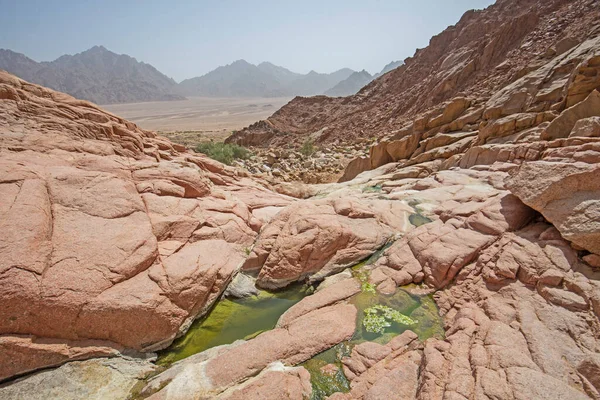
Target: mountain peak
96, 74
98, 48
241, 62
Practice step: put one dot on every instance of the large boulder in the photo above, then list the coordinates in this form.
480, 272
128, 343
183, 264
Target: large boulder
97, 379
316, 238
567, 194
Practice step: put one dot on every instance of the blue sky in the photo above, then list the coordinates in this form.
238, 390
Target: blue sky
188, 38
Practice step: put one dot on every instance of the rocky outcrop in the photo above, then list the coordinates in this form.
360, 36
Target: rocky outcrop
106, 226
482, 190
524, 112
517, 314
565, 122
567, 194
437, 251
386, 371
317, 238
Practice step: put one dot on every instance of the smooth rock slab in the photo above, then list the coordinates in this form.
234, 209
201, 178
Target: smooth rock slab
277, 382
95, 379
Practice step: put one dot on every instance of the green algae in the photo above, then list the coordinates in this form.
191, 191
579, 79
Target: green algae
231, 320
380, 317
372, 189
418, 219
402, 305
400, 302
326, 383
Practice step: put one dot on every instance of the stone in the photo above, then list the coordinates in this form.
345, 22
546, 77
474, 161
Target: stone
590, 368
563, 125
586, 127
321, 237
383, 371
567, 194
330, 295
106, 226
274, 382
241, 286
451, 111
94, 379
355, 167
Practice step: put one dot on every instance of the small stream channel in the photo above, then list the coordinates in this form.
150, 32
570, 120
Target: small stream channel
234, 319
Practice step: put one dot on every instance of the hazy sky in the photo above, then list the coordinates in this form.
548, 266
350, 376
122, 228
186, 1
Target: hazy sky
188, 38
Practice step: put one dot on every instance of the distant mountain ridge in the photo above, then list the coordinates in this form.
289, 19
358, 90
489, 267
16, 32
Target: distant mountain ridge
97, 75
243, 79
104, 77
358, 80
350, 85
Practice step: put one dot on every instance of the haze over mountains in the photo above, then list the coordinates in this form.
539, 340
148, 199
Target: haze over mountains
104, 77
358, 80
97, 75
242, 79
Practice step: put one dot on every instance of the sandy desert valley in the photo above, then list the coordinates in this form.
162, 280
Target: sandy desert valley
204, 114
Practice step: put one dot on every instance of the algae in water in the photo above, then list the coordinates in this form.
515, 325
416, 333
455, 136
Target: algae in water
233, 319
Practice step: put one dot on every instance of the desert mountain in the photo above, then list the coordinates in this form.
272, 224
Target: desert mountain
391, 66
283, 75
97, 75
484, 52
358, 80
242, 79
350, 85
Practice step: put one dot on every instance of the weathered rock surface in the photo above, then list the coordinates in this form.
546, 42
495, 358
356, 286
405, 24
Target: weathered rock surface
317, 238
520, 316
105, 226
567, 194
566, 121
472, 216
376, 371
97, 379
275, 382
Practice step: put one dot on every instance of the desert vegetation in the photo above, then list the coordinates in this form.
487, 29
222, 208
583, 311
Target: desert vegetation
223, 152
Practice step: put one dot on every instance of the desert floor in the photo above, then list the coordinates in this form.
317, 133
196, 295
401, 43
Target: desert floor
198, 113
